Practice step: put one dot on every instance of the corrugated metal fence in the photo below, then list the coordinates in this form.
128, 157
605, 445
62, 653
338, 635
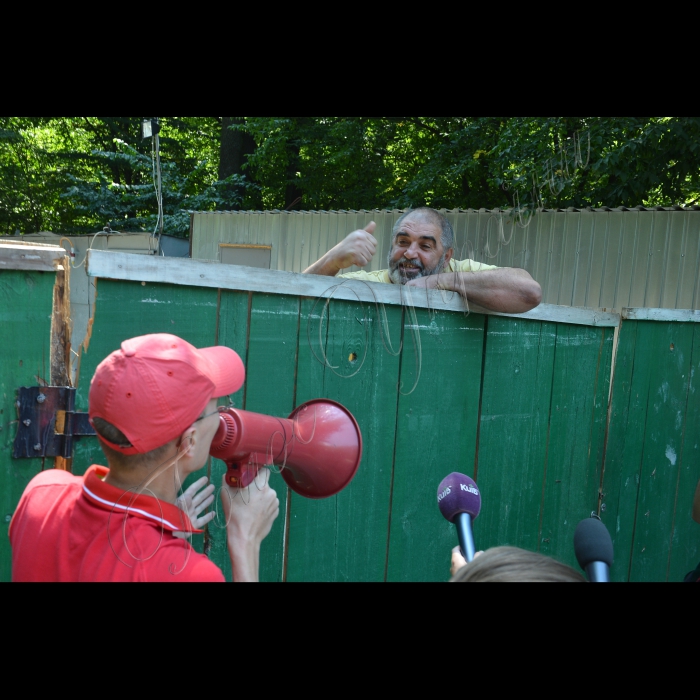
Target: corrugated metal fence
594, 259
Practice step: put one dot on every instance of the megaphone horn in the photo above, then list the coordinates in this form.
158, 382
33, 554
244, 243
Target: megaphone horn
319, 446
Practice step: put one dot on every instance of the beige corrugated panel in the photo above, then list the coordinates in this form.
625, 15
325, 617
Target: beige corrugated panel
597, 259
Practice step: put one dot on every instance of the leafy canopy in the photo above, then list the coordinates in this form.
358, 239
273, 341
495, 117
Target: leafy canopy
79, 174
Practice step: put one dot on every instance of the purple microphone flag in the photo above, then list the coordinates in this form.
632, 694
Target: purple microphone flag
459, 494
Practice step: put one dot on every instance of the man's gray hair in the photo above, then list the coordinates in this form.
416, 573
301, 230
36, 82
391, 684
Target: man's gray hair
448, 234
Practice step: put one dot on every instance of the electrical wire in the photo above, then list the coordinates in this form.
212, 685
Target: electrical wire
90, 247
158, 186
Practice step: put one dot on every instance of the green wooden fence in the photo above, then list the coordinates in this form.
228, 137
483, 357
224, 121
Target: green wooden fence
499, 398
520, 403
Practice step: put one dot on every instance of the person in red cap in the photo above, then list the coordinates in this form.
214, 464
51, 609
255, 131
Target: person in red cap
153, 404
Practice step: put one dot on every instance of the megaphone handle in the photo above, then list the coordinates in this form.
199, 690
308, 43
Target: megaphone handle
241, 476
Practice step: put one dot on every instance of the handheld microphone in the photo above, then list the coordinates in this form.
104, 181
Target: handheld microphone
459, 500
594, 550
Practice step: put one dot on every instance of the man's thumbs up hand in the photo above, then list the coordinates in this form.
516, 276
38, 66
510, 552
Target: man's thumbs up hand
357, 249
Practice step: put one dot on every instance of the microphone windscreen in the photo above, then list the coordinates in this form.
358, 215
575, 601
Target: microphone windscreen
459, 494
593, 543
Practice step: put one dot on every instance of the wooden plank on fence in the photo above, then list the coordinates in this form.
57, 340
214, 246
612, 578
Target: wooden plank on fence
648, 495
263, 330
233, 332
270, 389
517, 398
33, 257
661, 315
311, 550
344, 538
624, 452
576, 436
685, 543
195, 273
26, 300
436, 435
667, 349
61, 329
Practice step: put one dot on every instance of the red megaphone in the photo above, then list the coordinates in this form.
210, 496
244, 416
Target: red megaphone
319, 447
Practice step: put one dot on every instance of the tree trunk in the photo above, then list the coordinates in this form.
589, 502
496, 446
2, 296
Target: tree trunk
293, 194
236, 146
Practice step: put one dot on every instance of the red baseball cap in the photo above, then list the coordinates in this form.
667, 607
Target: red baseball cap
155, 387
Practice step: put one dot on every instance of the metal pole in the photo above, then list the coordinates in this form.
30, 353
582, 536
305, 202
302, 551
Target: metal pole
160, 185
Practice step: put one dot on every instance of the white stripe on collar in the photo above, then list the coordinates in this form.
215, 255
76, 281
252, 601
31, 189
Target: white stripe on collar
131, 510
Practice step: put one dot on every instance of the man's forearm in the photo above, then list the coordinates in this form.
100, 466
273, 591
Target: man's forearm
507, 290
357, 249
326, 266
245, 561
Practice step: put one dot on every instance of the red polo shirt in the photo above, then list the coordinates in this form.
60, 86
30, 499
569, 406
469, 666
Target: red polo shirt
72, 529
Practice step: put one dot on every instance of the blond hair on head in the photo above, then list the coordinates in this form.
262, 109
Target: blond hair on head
511, 565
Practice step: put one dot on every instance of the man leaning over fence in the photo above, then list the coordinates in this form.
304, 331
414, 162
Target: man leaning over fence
422, 256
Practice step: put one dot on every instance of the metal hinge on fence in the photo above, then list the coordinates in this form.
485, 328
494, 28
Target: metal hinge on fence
48, 423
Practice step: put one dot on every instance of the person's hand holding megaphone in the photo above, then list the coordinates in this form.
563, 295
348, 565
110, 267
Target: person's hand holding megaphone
250, 514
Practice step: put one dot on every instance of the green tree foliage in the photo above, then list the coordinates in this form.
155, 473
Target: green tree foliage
355, 162
78, 174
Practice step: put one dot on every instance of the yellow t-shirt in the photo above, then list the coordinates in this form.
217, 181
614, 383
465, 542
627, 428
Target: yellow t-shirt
382, 276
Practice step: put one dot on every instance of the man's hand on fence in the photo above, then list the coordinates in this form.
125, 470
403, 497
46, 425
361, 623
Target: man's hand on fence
506, 290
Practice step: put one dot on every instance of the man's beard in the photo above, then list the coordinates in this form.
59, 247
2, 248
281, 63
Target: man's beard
416, 268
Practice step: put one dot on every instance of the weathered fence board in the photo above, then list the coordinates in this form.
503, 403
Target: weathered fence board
652, 464
195, 273
685, 542
517, 391
435, 435
24, 256
337, 539
576, 437
26, 303
232, 332
271, 368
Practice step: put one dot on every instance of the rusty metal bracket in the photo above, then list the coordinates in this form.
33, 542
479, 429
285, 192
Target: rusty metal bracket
48, 423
